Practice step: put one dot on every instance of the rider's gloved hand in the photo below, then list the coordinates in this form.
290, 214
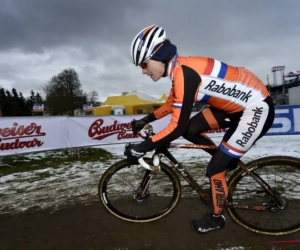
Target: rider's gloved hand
138, 125
134, 152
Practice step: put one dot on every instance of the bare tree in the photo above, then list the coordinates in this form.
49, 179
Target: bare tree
92, 96
64, 93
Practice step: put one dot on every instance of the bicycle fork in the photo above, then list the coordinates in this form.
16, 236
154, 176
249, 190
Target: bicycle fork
143, 188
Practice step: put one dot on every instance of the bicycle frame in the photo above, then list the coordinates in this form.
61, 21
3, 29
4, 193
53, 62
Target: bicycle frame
164, 152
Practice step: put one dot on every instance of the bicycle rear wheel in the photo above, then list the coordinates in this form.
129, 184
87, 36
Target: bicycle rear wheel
278, 216
119, 191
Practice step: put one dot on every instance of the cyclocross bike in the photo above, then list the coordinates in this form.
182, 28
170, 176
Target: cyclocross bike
263, 195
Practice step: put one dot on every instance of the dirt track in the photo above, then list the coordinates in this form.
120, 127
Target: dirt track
90, 227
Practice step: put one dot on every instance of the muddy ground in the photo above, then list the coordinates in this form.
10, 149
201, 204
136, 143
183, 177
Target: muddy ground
90, 227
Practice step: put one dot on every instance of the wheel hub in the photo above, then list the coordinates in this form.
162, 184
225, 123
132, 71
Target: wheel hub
278, 204
141, 196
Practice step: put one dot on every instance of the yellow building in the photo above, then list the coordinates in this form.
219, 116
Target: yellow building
125, 105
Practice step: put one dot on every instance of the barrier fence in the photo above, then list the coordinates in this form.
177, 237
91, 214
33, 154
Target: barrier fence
20, 135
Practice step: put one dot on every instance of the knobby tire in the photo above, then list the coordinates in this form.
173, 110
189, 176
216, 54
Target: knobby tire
282, 174
117, 190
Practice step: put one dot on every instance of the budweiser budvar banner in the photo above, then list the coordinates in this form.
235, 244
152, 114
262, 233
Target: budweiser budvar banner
110, 130
30, 134
93, 130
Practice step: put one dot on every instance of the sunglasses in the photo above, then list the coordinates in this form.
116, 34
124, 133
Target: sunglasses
143, 65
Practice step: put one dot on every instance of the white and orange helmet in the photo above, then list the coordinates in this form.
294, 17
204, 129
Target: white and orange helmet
144, 45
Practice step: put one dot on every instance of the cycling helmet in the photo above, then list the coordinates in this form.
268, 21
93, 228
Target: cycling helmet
146, 42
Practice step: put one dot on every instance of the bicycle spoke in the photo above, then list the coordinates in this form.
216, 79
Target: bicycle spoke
282, 211
124, 197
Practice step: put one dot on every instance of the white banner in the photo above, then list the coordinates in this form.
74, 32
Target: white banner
97, 130
30, 134
87, 131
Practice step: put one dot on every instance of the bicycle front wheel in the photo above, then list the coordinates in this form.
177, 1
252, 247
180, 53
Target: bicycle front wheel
251, 206
119, 191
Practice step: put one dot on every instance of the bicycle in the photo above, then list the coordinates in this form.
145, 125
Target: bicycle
263, 195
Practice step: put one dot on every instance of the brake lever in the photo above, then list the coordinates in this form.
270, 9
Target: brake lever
145, 135
155, 167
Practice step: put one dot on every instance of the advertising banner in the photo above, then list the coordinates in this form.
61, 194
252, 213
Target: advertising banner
38, 107
287, 121
97, 130
30, 134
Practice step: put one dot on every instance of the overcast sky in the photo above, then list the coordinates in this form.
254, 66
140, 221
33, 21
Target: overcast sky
41, 38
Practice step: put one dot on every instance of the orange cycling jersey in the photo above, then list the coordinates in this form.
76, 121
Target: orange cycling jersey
222, 86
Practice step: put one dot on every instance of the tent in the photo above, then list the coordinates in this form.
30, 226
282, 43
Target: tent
102, 110
125, 100
163, 99
142, 96
131, 104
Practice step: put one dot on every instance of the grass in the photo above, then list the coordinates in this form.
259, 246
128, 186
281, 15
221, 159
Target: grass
52, 159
